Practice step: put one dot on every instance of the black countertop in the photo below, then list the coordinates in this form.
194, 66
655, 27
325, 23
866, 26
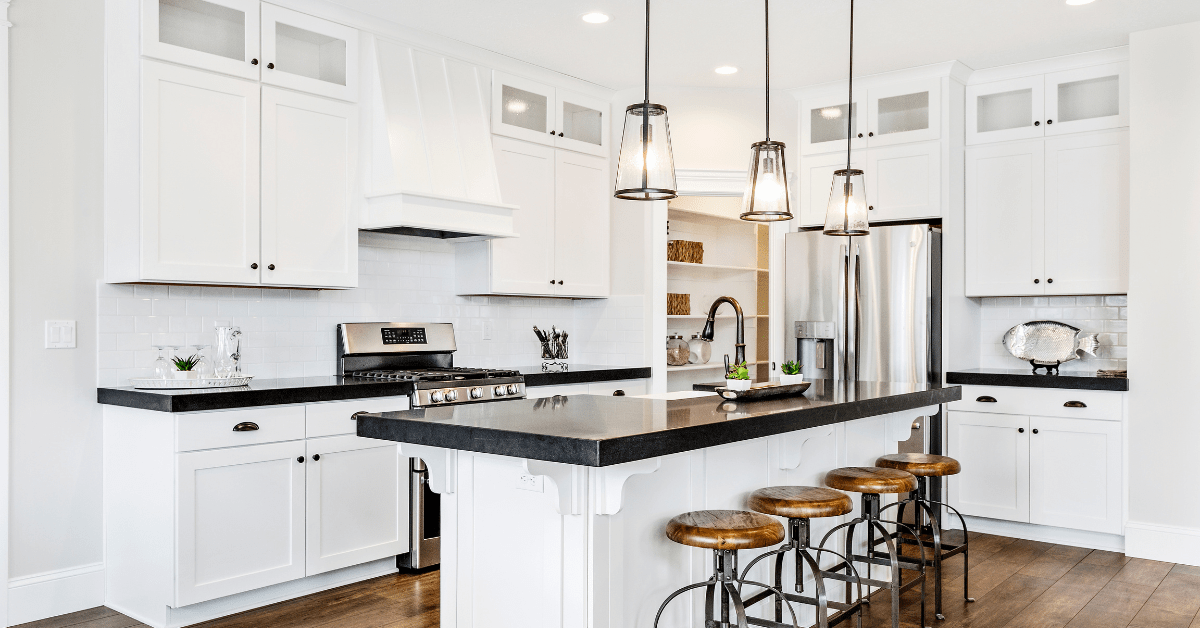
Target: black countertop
599, 431
269, 392
1026, 378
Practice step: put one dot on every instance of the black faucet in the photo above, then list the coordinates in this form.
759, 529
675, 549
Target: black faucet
739, 354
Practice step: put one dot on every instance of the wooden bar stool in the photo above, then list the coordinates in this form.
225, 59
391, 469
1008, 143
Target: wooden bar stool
872, 482
725, 532
799, 504
925, 466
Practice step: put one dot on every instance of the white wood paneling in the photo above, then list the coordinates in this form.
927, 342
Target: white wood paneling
1005, 219
402, 115
1075, 474
994, 452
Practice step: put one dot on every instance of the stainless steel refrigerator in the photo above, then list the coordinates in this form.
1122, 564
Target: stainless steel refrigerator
868, 308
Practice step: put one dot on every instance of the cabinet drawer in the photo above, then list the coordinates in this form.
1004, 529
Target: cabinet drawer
334, 418
1097, 404
210, 430
631, 387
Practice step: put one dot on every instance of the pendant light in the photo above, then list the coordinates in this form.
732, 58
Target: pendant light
646, 168
766, 197
846, 214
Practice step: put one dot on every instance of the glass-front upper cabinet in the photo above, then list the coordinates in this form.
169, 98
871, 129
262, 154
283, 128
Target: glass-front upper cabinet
523, 109
823, 124
1087, 99
904, 112
581, 123
217, 35
1005, 110
309, 54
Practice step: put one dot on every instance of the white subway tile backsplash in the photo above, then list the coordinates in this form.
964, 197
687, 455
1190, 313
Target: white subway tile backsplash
290, 333
1100, 314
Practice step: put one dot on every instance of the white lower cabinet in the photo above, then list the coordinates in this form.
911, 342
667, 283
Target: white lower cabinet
631, 387
1045, 470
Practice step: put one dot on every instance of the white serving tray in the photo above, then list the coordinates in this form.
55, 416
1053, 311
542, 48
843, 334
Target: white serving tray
211, 382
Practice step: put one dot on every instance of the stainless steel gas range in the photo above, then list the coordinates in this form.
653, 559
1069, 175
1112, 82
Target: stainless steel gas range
421, 353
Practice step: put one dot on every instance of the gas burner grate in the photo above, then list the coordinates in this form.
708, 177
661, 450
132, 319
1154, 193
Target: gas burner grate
445, 374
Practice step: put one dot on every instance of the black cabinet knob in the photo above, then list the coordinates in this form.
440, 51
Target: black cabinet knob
552, 132
860, 134
316, 457
560, 282
1020, 430
270, 66
1037, 281
1049, 121
560, 134
1037, 123
552, 282
254, 266
254, 62
1035, 430
870, 207
300, 459
1051, 280
871, 134
270, 267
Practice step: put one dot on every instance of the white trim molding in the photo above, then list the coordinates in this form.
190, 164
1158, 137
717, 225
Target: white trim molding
5, 306
697, 182
1046, 534
1171, 544
55, 593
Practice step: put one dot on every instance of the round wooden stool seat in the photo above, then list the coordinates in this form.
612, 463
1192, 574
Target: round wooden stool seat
725, 530
923, 465
800, 502
871, 480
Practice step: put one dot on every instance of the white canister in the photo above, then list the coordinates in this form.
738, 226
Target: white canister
701, 350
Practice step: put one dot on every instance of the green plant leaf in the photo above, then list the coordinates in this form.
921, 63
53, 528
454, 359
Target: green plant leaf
738, 371
186, 364
791, 367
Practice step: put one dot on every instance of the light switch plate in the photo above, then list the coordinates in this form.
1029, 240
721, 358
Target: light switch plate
60, 334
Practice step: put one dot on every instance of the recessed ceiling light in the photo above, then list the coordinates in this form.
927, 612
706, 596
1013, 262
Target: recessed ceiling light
726, 69
595, 18
1076, 3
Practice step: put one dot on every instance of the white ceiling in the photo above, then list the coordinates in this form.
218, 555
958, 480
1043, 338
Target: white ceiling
809, 37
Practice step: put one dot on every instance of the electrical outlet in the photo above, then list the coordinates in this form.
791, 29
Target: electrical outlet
530, 483
60, 334
487, 329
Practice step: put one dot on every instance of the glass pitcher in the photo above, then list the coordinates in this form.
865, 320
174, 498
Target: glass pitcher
228, 352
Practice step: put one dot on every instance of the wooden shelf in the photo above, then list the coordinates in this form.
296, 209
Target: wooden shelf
688, 215
689, 267
704, 367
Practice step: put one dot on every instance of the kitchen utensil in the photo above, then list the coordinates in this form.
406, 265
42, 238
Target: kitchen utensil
1047, 344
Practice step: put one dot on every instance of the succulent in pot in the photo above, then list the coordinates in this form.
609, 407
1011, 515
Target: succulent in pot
185, 366
791, 373
738, 377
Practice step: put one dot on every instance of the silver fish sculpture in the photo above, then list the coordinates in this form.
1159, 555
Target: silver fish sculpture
1046, 344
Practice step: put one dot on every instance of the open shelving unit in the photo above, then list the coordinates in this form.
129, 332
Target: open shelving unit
736, 260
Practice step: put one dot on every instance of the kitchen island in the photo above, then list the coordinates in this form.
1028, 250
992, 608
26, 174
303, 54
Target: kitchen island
553, 509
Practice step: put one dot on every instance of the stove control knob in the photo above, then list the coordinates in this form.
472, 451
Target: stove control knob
476, 392
437, 396
512, 389
451, 395
499, 391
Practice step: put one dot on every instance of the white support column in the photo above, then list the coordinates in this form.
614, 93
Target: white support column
5, 399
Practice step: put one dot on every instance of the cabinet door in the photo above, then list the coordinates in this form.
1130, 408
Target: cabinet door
1005, 214
581, 193
816, 184
904, 182
218, 35
309, 227
904, 112
823, 124
240, 520
357, 502
1087, 213
581, 123
525, 264
994, 452
1087, 99
523, 109
309, 54
200, 176
1075, 474
1005, 110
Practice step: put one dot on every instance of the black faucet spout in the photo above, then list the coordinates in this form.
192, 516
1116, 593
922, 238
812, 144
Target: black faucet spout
739, 356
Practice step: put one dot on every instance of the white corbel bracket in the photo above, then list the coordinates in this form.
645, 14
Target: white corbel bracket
441, 463
570, 481
791, 445
899, 424
608, 483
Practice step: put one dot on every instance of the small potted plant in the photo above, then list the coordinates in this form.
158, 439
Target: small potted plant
791, 373
185, 366
738, 377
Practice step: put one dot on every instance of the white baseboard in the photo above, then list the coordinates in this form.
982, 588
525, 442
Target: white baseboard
1170, 544
229, 605
54, 593
1047, 534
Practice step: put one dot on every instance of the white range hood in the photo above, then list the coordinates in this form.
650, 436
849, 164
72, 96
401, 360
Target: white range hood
427, 149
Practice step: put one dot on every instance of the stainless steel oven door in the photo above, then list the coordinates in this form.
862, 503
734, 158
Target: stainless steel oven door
425, 519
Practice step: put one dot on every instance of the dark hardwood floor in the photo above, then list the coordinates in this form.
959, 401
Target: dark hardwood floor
1017, 584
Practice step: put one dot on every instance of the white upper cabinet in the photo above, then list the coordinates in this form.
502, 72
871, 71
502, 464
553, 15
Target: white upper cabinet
535, 112
1083, 99
581, 227
904, 112
823, 123
904, 182
309, 54
1005, 220
524, 264
199, 220
217, 35
816, 183
309, 222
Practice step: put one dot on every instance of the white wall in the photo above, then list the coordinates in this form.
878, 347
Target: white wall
57, 115
1164, 296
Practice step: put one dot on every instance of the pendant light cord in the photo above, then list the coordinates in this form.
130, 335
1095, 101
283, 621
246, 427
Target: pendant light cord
767, 39
850, 97
647, 51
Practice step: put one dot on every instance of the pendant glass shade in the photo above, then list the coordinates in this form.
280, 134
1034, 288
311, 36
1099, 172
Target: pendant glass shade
766, 196
646, 168
846, 214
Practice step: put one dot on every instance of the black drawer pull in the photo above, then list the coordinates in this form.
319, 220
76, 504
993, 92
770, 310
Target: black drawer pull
1074, 404
618, 393
245, 426
985, 399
